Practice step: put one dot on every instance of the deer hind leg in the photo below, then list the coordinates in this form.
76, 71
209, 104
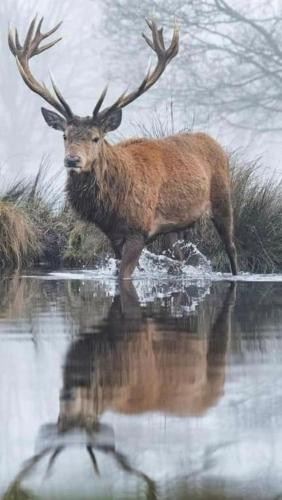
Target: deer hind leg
131, 252
223, 220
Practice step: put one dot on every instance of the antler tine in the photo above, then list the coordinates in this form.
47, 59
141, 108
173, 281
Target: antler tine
161, 37
60, 97
47, 46
155, 35
100, 102
164, 56
17, 40
13, 40
51, 31
29, 34
31, 48
115, 105
37, 33
174, 46
158, 41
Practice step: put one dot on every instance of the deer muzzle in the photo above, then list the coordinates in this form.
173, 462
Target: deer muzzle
72, 162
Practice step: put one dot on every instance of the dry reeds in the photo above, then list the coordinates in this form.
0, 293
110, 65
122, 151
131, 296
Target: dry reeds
257, 206
18, 236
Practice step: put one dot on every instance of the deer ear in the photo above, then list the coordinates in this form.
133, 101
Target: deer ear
112, 121
53, 119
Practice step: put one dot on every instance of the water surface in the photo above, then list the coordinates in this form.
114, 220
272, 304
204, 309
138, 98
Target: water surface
162, 390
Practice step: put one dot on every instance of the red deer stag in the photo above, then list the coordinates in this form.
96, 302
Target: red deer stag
138, 188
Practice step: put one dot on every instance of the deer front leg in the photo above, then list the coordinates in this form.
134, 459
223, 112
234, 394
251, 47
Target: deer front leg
117, 242
131, 252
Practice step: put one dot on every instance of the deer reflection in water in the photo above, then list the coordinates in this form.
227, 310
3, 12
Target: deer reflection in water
137, 361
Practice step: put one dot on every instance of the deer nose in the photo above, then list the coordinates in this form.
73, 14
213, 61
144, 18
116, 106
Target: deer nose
71, 161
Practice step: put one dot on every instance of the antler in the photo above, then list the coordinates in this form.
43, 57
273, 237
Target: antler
164, 57
30, 48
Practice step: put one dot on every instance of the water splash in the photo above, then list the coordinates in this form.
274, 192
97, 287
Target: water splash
161, 275
192, 264
153, 266
187, 281
158, 266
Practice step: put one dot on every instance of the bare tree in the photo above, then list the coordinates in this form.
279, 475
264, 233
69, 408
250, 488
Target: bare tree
230, 65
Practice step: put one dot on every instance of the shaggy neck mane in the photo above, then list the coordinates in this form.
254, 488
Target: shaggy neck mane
113, 178
101, 195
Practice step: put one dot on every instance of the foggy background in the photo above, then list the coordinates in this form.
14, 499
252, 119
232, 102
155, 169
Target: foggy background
226, 79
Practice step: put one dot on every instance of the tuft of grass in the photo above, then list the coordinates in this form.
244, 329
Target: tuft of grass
18, 237
86, 245
257, 209
38, 228
28, 215
160, 127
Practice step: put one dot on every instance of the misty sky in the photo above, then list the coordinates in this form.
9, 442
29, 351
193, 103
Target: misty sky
81, 66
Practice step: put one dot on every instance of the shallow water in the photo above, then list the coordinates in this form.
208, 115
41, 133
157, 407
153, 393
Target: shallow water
165, 389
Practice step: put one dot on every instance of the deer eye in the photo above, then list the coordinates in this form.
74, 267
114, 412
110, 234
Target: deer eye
95, 139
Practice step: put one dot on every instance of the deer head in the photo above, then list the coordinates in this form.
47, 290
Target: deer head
84, 136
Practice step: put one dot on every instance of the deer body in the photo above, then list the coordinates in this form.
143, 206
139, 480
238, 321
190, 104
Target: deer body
151, 185
139, 188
